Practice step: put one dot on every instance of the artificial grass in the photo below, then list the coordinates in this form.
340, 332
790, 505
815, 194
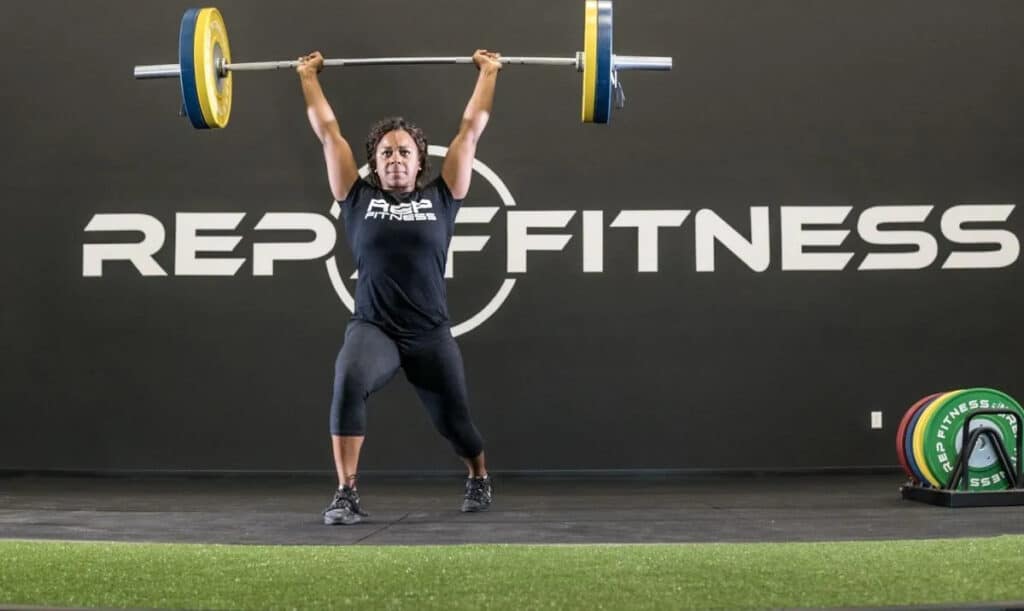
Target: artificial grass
862, 573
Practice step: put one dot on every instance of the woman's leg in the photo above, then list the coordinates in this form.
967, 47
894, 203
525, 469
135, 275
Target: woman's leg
437, 373
365, 363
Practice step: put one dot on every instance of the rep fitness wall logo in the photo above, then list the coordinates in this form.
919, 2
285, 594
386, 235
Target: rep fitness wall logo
811, 238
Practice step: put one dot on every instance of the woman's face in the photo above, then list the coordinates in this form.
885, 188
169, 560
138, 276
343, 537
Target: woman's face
398, 161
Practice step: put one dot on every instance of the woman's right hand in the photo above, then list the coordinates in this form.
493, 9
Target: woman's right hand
310, 65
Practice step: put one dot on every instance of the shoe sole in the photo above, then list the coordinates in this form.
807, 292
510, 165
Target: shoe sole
336, 520
475, 509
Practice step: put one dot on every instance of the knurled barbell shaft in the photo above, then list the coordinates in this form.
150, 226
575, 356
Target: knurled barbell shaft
621, 62
401, 61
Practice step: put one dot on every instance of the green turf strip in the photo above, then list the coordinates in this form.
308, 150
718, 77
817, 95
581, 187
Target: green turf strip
513, 576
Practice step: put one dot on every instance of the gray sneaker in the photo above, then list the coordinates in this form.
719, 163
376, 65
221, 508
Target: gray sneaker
344, 509
479, 494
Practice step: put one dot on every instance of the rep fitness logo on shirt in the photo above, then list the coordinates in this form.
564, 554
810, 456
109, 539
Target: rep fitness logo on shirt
406, 211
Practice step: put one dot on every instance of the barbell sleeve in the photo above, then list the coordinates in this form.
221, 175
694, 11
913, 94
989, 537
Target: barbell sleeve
641, 62
158, 71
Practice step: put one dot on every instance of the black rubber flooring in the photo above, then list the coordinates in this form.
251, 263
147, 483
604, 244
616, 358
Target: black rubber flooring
409, 511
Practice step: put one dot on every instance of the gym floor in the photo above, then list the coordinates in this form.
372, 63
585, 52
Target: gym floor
410, 511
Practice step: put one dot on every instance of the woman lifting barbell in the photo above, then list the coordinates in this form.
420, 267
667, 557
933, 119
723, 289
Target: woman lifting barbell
399, 228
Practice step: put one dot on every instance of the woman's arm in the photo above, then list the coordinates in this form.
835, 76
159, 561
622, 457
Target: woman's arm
457, 170
342, 171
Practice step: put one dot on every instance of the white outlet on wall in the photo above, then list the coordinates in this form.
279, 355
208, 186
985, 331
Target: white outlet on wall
876, 420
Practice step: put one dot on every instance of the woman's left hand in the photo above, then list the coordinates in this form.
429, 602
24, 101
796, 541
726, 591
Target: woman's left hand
487, 59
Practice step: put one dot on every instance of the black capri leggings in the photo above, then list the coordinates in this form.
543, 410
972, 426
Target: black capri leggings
369, 358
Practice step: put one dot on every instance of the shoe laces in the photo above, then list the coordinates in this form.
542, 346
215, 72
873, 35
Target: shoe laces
350, 494
477, 489
343, 499
353, 499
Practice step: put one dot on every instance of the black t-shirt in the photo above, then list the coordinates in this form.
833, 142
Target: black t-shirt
400, 244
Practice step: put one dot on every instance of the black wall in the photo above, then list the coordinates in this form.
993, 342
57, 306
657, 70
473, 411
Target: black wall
771, 104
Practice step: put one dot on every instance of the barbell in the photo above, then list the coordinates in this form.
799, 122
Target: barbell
204, 67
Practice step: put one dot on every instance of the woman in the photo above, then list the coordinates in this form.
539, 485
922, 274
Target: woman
399, 228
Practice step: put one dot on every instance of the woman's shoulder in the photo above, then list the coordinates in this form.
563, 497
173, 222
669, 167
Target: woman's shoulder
439, 186
359, 190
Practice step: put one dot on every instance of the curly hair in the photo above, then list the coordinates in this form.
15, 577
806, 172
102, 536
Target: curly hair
379, 130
